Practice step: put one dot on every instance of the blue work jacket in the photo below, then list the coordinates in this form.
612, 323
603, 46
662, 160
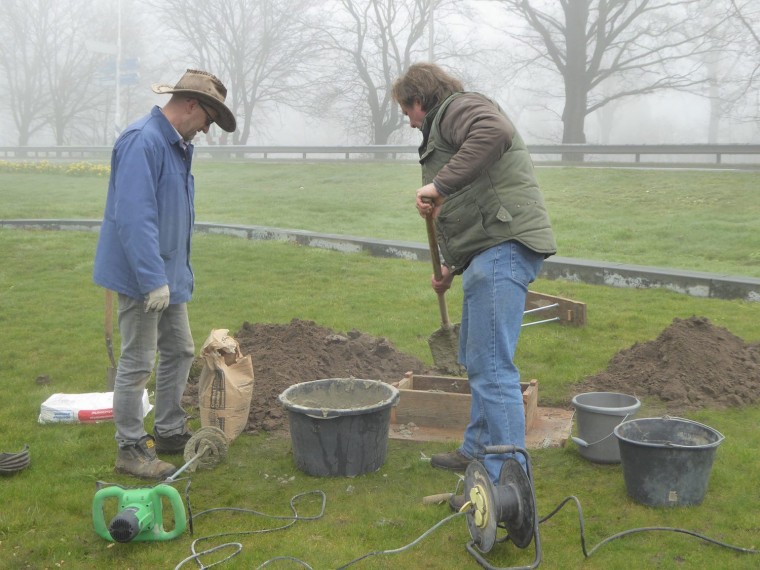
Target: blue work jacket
145, 237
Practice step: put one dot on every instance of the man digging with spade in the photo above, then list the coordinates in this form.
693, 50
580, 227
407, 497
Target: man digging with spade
494, 231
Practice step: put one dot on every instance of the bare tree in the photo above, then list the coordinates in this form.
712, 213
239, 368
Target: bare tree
726, 67
748, 14
645, 46
69, 67
732, 67
259, 48
48, 71
370, 43
24, 28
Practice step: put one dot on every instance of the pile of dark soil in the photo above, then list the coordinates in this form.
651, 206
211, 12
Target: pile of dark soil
300, 351
692, 364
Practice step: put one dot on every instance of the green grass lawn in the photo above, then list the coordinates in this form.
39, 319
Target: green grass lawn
694, 220
51, 318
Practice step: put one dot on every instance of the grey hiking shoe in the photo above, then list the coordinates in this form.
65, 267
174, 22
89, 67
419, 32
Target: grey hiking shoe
452, 460
173, 444
140, 460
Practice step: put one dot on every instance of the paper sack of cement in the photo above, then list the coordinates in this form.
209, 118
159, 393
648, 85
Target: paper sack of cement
225, 385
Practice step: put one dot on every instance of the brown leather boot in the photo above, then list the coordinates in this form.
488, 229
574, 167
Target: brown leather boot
453, 461
140, 460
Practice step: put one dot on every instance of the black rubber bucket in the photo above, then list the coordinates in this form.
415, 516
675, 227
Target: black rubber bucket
339, 426
667, 461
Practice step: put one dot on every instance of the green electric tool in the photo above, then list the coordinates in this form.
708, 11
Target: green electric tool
140, 516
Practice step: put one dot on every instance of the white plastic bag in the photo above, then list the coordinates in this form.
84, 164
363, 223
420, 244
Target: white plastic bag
82, 408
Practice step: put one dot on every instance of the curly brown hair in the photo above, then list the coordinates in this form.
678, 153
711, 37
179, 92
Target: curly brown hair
426, 83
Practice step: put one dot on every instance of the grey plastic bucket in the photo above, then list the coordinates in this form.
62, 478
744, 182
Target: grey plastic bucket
667, 461
339, 426
597, 414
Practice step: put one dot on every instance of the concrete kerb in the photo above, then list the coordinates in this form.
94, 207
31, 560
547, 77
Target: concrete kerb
693, 283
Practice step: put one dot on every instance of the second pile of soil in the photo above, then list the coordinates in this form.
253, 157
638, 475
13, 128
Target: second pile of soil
692, 364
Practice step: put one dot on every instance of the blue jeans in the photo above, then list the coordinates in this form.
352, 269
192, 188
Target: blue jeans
142, 336
495, 287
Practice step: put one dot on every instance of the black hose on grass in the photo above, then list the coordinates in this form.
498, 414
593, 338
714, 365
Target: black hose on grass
292, 520
588, 553
236, 545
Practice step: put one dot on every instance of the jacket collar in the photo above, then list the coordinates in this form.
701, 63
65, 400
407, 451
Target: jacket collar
167, 129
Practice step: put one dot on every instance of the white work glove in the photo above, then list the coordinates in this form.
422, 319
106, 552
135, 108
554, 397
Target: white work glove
158, 299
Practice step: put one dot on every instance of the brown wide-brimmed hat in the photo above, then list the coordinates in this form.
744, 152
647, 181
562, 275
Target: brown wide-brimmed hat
208, 89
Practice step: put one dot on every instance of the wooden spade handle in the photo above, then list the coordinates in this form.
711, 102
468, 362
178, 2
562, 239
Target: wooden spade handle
436, 499
435, 256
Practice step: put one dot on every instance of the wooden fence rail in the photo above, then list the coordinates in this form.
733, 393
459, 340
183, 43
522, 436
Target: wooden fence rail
662, 154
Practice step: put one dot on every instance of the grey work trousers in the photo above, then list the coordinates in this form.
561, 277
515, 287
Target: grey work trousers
142, 336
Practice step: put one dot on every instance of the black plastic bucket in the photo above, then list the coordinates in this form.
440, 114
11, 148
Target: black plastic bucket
667, 461
339, 426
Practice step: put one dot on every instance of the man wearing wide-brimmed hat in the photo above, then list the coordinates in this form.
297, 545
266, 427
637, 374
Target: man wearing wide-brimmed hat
143, 254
